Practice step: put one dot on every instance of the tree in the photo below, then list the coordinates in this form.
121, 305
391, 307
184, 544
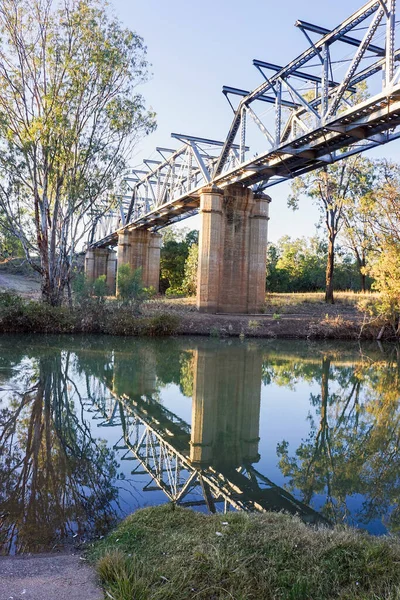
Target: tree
189, 285
358, 236
298, 265
383, 214
68, 118
174, 254
334, 188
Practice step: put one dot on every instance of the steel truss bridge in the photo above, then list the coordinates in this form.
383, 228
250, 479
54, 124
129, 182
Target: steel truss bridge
160, 443
309, 113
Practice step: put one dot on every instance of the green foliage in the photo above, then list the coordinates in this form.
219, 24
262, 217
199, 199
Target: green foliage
382, 212
69, 116
87, 316
189, 284
87, 292
335, 189
10, 245
100, 289
160, 325
171, 553
176, 249
29, 316
130, 288
386, 272
299, 265
81, 288
172, 292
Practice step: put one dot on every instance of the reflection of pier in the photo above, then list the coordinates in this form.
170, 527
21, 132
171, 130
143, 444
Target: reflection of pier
216, 455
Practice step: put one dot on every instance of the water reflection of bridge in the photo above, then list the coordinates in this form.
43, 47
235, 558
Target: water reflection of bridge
216, 455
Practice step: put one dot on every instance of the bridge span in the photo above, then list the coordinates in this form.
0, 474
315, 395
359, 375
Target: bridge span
307, 114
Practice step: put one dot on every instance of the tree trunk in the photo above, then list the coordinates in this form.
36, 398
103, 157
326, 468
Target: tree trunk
363, 282
52, 291
329, 271
363, 276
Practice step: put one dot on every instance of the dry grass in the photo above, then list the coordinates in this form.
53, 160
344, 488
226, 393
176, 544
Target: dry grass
165, 554
349, 298
275, 303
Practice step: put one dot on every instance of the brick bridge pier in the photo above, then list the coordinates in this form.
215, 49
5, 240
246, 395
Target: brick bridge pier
232, 252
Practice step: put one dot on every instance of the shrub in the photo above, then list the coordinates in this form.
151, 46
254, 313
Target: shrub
160, 325
130, 288
31, 316
174, 293
100, 289
88, 292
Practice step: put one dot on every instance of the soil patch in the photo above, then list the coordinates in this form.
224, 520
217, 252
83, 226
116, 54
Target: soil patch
47, 577
26, 287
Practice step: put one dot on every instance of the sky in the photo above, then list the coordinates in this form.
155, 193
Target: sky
197, 47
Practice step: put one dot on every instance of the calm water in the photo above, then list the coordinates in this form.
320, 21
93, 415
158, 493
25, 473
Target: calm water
93, 428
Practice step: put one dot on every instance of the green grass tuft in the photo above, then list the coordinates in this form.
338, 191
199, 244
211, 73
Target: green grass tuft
168, 553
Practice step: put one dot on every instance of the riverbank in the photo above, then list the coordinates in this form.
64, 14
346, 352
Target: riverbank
176, 554
291, 316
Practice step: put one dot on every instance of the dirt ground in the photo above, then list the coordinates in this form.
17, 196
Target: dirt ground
47, 577
25, 286
286, 316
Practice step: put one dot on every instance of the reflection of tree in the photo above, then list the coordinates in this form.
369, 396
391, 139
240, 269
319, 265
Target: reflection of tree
142, 369
53, 475
286, 373
354, 445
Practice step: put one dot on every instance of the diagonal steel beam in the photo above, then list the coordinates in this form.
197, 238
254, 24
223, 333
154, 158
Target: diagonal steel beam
355, 62
300, 74
344, 38
269, 99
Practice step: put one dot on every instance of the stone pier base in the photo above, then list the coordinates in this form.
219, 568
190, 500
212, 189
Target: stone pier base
232, 250
141, 248
102, 261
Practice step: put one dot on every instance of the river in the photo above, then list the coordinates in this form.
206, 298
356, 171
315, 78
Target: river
93, 428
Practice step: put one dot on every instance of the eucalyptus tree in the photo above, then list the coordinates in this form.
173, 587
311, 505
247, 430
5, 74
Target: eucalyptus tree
383, 214
69, 115
335, 188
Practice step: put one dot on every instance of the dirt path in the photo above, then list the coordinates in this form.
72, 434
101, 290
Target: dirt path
26, 287
47, 577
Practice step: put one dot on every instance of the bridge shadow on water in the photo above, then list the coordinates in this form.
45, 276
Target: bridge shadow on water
60, 399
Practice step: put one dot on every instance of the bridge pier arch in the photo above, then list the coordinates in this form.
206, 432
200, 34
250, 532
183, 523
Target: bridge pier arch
232, 250
141, 248
102, 261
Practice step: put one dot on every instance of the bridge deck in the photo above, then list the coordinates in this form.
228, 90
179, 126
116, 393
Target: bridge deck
366, 126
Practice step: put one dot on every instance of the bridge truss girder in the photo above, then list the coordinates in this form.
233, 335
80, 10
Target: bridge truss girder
315, 117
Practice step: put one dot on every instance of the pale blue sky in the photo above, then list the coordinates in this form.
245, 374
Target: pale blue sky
197, 47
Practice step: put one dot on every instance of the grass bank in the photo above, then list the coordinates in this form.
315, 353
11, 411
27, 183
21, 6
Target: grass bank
302, 316
18, 315
165, 554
